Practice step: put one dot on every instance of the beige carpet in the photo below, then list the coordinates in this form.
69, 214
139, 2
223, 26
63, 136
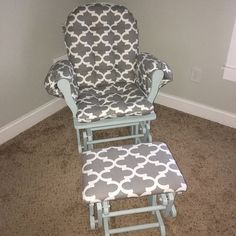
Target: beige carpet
40, 192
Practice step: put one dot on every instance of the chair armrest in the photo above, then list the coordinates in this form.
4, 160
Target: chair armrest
60, 70
146, 65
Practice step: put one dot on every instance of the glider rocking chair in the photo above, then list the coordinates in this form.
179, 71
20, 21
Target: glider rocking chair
106, 82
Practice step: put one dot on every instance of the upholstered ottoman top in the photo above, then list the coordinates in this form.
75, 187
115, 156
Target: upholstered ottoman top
130, 171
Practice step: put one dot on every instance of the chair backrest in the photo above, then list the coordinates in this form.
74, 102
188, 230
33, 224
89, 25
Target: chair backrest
102, 44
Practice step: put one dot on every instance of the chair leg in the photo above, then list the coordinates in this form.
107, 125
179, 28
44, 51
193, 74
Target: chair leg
90, 138
149, 135
132, 128
145, 129
79, 140
85, 138
136, 130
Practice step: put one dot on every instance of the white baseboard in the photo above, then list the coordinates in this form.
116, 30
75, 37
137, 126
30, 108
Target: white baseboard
28, 120
197, 109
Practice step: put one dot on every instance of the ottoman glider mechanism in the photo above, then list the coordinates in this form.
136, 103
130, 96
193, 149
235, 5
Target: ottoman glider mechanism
145, 169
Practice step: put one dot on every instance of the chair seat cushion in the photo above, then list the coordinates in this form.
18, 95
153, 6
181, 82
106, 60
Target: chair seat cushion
109, 101
130, 171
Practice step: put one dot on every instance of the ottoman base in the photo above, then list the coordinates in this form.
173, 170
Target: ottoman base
164, 204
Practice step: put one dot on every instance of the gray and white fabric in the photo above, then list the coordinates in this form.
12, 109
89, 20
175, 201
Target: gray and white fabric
102, 46
62, 69
145, 66
114, 100
130, 171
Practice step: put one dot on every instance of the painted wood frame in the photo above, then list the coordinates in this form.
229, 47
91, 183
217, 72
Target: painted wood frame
100, 214
139, 126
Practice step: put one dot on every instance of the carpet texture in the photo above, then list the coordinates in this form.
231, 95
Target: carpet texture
40, 185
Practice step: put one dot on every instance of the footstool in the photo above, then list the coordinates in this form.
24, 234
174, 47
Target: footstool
145, 169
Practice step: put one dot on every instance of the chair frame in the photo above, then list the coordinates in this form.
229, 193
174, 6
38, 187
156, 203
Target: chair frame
139, 126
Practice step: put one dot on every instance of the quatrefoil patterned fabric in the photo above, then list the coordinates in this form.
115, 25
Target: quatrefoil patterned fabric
109, 101
145, 66
62, 69
130, 171
102, 46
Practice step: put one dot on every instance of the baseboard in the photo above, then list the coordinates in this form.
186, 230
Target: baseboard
197, 109
28, 120
23, 123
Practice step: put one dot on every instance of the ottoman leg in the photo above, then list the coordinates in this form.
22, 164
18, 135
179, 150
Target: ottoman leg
168, 200
106, 207
91, 216
99, 214
152, 200
161, 223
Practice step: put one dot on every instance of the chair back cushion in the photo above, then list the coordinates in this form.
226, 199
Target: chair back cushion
102, 44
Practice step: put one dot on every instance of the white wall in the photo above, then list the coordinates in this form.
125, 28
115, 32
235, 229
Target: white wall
187, 34
31, 36
230, 65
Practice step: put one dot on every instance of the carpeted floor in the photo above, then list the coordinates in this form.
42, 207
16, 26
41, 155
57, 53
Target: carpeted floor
40, 192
